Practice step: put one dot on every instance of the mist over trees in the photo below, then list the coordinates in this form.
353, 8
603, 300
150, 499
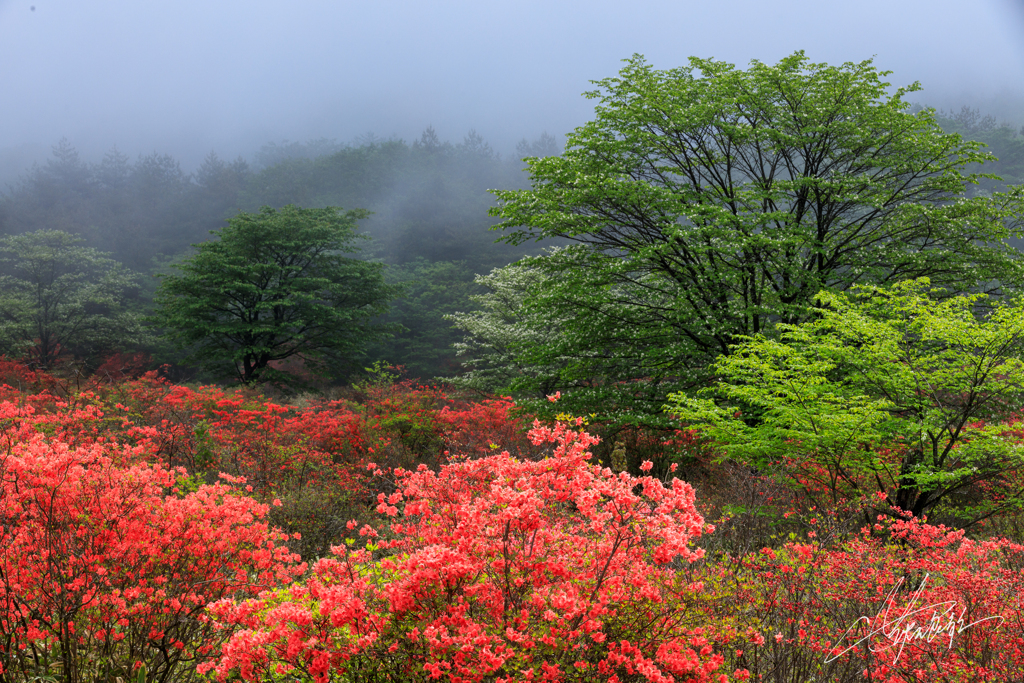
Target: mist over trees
1003, 139
427, 199
135, 210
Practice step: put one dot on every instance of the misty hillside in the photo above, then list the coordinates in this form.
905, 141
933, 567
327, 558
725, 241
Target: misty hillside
429, 200
1003, 138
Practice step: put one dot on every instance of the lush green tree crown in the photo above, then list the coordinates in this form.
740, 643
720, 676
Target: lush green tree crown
57, 296
707, 202
899, 390
275, 285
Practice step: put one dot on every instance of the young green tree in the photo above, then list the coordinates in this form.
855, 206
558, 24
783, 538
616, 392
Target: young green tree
902, 391
275, 285
60, 298
707, 202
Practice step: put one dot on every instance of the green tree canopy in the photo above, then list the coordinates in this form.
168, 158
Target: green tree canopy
59, 297
707, 202
275, 285
893, 390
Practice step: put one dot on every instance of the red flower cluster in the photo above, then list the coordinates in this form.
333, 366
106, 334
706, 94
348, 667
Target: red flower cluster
136, 530
494, 569
103, 565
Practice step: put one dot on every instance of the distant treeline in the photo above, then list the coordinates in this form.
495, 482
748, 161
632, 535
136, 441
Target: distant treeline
1004, 140
429, 201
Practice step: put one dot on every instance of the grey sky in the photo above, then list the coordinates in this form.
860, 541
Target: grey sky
187, 77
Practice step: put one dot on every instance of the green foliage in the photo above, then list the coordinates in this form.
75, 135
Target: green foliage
57, 296
430, 291
707, 202
275, 286
378, 376
892, 391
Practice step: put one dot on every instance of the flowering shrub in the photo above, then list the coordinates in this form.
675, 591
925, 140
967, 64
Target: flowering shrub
103, 571
311, 458
116, 534
16, 377
426, 422
498, 569
902, 601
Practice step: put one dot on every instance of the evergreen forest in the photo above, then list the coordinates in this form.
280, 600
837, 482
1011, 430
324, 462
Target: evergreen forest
428, 223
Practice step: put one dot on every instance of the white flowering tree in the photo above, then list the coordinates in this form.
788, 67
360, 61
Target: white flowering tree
499, 337
707, 202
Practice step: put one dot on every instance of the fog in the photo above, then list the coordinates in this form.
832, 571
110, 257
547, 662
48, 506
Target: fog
139, 128
189, 77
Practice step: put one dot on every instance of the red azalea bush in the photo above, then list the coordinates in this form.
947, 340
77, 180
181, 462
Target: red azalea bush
210, 428
497, 569
900, 602
415, 423
540, 565
16, 377
311, 457
103, 568
489, 575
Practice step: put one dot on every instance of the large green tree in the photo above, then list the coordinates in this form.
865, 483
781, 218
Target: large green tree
901, 390
276, 285
707, 202
60, 298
